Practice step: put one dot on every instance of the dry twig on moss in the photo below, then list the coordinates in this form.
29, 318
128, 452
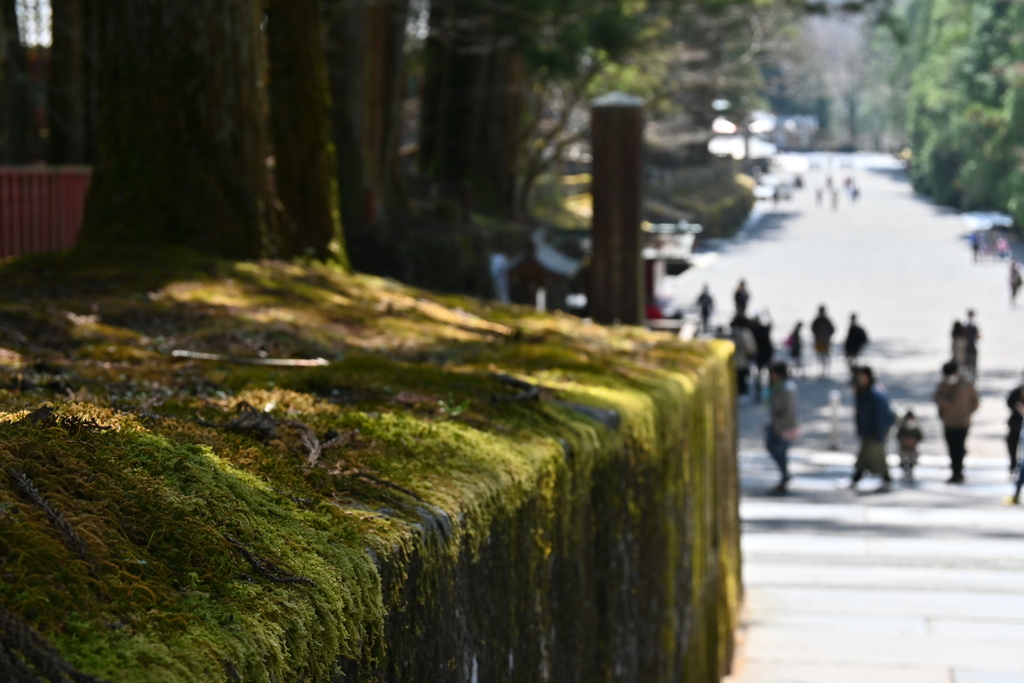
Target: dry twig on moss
262, 426
265, 568
17, 336
72, 540
243, 360
26, 657
313, 444
45, 416
304, 502
385, 483
530, 392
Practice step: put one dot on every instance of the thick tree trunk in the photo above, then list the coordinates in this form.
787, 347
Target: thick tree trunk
67, 96
366, 59
15, 105
472, 106
300, 125
181, 135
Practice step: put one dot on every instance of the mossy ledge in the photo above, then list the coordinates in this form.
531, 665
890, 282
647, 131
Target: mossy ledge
455, 529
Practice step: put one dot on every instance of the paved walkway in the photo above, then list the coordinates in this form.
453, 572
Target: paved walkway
926, 583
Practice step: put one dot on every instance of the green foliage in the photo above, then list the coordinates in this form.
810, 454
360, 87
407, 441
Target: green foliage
965, 59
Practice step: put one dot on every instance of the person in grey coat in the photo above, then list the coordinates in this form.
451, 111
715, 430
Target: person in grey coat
781, 430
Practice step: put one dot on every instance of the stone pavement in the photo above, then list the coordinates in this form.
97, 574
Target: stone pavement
922, 584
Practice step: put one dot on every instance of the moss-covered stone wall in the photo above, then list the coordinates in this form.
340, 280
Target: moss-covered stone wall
493, 495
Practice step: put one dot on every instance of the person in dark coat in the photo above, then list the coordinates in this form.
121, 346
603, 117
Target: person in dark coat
741, 297
972, 336
874, 420
822, 330
795, 344
761, 326
1015, 498
1016, 280
856, 340
1015, 402
706, 304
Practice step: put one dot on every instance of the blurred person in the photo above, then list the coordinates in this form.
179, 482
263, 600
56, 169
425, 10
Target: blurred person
1003, 248
909, 435
761, 327
958, 343
741, 297
652, 311
1015, 498
781, 430
985, 240
1015, 402
706, 304
1019, 450
746, 350
874, 419
795, 344
856, 340
957, 400
971, 336
1016, 279
822, 330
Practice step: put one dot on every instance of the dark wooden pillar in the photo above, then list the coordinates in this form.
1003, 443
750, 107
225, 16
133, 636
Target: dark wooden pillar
616, 276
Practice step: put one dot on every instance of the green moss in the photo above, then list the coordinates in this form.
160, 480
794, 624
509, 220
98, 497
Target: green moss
522, 531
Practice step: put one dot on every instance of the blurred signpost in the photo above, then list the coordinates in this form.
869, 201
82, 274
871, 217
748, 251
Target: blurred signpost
835, 400
616, 276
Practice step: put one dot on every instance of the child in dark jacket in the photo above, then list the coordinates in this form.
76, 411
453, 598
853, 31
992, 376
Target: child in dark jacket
908, 435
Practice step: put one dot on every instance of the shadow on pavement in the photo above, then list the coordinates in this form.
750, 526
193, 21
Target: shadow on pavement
767, 228
897, 174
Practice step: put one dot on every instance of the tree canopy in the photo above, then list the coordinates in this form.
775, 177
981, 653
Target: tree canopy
965, 116
262, 127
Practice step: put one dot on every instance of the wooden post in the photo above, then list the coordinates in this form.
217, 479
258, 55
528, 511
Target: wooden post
616, 276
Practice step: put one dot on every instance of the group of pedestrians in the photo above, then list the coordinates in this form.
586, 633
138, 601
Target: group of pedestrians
822, 332
850, 187
752, 335
955, 395
956, 400
989, 245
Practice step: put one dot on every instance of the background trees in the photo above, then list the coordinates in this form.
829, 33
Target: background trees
181, 155
261, 127
15, 106
965, 118
308, 218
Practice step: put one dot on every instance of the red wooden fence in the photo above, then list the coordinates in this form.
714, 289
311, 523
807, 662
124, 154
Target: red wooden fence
41, 207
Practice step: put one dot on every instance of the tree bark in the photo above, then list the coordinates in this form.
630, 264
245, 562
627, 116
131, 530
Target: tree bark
366, 60
472, 105
300, 125
181, 133
67, 95
15, 105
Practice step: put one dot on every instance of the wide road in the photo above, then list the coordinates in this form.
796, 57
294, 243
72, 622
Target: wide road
923, 584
